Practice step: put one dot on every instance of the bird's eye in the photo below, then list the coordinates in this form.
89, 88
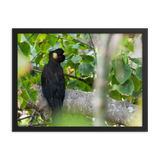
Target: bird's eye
54, 55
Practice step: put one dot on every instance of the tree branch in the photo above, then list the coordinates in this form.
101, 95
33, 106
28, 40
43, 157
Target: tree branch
95, 54
74, 40
67, 75
32, 117
24, 118
34, 125
79, 102
35, 56
135, 98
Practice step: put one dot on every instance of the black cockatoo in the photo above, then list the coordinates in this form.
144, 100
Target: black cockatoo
53, 84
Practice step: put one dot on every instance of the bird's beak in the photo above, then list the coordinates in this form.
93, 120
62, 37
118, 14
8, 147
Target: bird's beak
64, 54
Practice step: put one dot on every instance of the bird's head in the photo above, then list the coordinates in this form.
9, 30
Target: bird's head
58, 55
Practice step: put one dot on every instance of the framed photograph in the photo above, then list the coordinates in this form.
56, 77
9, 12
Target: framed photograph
80, 79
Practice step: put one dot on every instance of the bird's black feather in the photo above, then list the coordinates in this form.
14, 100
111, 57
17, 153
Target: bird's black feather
53, 84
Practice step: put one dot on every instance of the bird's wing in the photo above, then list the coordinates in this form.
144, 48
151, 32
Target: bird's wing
53, 86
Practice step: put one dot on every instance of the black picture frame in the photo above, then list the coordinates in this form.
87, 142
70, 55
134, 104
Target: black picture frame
143, 31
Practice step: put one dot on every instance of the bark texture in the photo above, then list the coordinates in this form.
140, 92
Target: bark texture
79, 102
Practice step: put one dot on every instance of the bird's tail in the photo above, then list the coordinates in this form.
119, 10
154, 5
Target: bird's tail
57, 114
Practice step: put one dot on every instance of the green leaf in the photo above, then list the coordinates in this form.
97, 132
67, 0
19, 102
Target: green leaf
87, 58
30, 92
19, 38
69, 42
125, 59
76, 59
89, 80
37, 46
78, 35
45, 59
114, 63
71, 64
125, 53
110, 76
29, 76
124, 97
25, 48
57, 45
69, 55
126, 88
20, 99
90, 53
117, 62
71, 85
81, 84
52, 40
33, 95
114, 87
73, 36
137, 84
122, 72
139, 73
130, 46
34, 80
31, 37
64, 63
44, 46
114, 81
25, 97
136, 94
19, 83
116, 95
86, 37
38, 58
42, 37
69, 47
82, 46
26, 85
125, 40
88, 88
86, 68
38, 78
64, 35
76, 46
136, 60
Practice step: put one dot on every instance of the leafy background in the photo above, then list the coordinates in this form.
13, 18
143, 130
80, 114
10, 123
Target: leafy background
82, 57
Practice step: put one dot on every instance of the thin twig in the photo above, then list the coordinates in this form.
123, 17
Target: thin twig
80, 79
30, 37
95, 54
67, 75
32, 117
93, 48
35, 56
133, 68
34, 125
135, 98
74, 40
24, 118
111, 95
37, 70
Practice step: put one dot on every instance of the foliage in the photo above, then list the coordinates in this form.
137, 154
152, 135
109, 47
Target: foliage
125, 76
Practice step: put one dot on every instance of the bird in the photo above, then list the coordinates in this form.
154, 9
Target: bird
53, 84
